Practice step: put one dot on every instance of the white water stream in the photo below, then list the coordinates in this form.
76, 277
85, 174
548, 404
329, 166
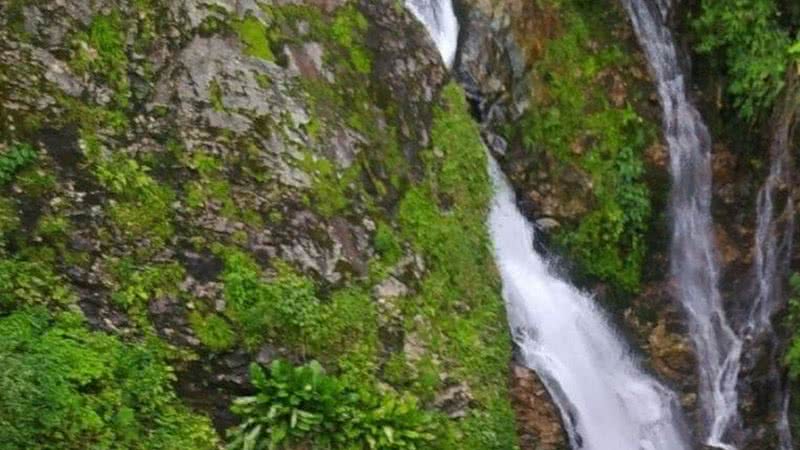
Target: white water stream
693, 252
441, 23
606, 400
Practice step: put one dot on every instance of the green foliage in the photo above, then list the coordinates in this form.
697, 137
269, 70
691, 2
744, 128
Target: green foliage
255, 36
213, 331
458, 308
576, 124
755, 48
63, 387
13, 160
102, 51
9, 220
30, 283
386, 244
287, 307
304, 405
142, 208
136, 285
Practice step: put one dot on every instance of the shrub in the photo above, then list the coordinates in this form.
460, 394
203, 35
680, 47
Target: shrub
304, 405
756, 49
64, 387
213, 331
30, 283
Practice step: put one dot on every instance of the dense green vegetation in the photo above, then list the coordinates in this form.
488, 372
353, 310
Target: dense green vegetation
575, 121
110, 383
65, 387
305, 406
756, 46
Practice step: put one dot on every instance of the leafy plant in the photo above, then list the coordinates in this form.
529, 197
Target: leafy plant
17, 157
304, 405
756, 49
101, 50
63, 387
30, 283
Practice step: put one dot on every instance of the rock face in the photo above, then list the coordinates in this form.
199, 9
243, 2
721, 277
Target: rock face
197, 158
538, 419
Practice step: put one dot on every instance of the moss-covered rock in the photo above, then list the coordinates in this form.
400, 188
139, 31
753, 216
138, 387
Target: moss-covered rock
238, 182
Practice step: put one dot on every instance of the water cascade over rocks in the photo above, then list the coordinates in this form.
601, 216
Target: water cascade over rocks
775, 224
719, 347
607, 402
692, 254
441, 23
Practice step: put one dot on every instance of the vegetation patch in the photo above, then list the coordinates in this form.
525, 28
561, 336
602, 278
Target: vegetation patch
13, 160
304, 406
255, 36
575, 120
755, 48
101, 51
64, 387
459, 300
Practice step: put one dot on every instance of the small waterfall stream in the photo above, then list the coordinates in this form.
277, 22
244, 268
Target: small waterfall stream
606, 400
692, 255
773, 244
718, 346
441, 23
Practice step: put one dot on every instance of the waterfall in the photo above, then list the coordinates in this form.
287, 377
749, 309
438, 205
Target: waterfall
773, 244
607, 402
441, 23
693, 260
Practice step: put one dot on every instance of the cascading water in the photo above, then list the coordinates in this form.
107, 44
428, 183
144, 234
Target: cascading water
774, 229
606, 400
773, 243
441, 23
693, 262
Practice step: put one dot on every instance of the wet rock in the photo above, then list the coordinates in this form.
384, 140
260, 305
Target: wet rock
547, 224
538, 421
390, 288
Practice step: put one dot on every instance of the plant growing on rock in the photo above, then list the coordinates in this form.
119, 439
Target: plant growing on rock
304, 405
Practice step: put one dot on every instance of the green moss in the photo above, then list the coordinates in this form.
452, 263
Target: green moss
459, 300
215, 93
255, 36
347, 30
333, 188
213, 331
